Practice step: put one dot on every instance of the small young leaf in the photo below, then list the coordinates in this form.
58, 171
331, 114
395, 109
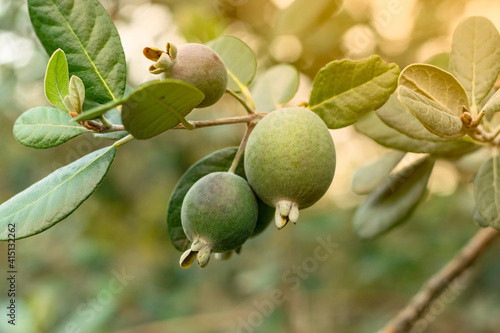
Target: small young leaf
368, 177
53, 198
57, 79
475, 57
487, 192
74, 101
435, 97
302, 15
239, 60
276, 87
220, 160
158, 106
86, 33
393, 201
343, 90
371, 126
394, 114
46, 127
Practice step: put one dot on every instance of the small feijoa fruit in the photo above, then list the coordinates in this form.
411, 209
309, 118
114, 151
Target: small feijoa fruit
290, 161
195, 64
218, 214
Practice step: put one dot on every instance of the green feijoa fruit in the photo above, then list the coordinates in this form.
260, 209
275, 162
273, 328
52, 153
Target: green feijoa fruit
218, 214
290, 161
195, 64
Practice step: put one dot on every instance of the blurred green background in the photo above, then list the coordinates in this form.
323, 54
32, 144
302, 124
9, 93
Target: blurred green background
110, 266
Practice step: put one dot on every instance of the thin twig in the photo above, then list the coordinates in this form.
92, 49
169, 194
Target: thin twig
437, 284
223, 121
241, 148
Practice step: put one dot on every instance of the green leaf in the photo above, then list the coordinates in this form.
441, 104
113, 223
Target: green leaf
368, 177
343, 90
302, 15
86, 33
239, 60
394, 114
487, 192
158, 106
46, 127
475, 57
115, 117
98, 111
493, 104
371, 126
74, 101
57, 79
393, 201
435, 98
441, 60
53, 198
276, 87
220, 160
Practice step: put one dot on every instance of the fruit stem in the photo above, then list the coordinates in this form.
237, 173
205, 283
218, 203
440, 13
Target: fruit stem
247, 107
241, 148
223, 121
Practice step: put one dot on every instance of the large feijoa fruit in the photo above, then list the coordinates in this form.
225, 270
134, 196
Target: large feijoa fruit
290, 161
218, 214
193, 63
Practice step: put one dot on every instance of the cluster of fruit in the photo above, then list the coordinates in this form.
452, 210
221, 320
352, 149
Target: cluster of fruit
289, 162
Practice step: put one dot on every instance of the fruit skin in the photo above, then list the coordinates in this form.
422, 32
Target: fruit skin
202, 67
221, 210
290, 156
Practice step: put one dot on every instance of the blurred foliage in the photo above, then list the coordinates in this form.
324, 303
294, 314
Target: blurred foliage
65, 273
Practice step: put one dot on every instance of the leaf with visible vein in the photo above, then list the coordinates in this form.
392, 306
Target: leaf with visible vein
487, 192
46, 127
239, 60
435, 98
57, 79
158, 106
475, 57
344, 90
371, 126
56, 196
394, 114
86, 33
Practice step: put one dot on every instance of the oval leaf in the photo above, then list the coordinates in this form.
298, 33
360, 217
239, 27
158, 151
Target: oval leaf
475, 57
371, 126
239, 60
344, 90
157, 106
220, 160
493, 104
394, 114
57, 79
276, 87
46, 127
487, 192
368, 177
86, 33
393, 201
435, 97
53, 198
302, 15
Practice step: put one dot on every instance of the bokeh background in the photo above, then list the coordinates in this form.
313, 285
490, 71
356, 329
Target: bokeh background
110, 266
